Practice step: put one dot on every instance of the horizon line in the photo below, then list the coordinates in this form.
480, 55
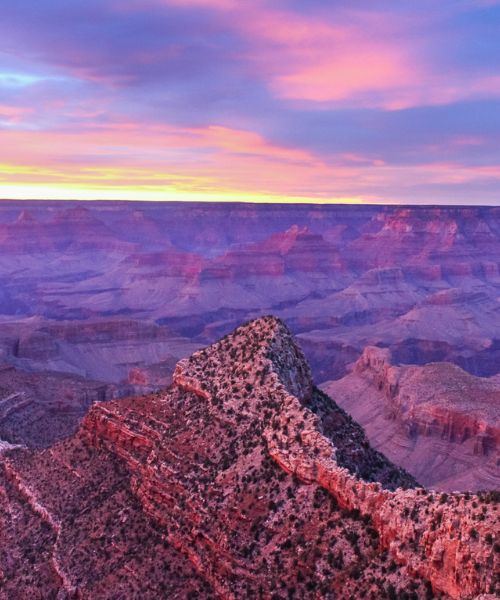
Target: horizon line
255, 202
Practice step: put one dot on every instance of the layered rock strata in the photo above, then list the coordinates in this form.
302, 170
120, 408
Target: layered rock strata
252, 482
436, 420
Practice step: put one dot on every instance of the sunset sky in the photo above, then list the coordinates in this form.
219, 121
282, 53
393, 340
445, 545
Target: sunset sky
262, 100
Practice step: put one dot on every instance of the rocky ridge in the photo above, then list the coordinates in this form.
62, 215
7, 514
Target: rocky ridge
247, 470
298, 445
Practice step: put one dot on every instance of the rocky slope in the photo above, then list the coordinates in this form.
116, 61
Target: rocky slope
437, 421
242, 480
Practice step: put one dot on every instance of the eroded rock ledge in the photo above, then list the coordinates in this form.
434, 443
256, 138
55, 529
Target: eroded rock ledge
442, 537
438, 399
436, 420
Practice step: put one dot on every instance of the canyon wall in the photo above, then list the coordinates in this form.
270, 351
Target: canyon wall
436, 420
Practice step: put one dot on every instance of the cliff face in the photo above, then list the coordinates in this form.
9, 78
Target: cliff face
296, 250
299, 446
107, 350
436, 420
254, 483
450, 238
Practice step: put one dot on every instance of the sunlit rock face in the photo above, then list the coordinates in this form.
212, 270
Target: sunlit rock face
240, 480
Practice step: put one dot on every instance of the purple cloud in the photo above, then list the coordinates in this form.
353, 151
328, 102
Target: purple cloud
375, 102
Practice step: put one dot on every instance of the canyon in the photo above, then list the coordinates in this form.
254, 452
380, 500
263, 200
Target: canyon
117, 293
38, 409
241, 479
423, 281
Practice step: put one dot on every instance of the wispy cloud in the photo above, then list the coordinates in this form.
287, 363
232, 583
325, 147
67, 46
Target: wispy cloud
268, 99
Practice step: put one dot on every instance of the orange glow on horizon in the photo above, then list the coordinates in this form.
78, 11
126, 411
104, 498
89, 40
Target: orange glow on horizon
73, 192
132, 161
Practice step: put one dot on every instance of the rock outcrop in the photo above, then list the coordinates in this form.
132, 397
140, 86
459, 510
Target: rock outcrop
436, 420
252, 482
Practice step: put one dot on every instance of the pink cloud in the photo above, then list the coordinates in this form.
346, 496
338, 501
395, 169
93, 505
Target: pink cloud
343, 76
14, 114
209, 160
308, 59
132, 154
362, 59
130, 5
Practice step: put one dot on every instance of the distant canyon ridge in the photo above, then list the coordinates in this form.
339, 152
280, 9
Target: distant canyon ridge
103, 298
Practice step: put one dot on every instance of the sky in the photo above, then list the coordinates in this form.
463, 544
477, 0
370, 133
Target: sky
251, 100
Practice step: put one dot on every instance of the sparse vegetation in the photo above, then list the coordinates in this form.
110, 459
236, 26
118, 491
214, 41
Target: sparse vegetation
201, 472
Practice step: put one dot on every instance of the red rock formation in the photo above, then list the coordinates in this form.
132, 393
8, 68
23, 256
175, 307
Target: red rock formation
410, 522
436, 415
171, 263
295, 250
452, 239
244, 476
